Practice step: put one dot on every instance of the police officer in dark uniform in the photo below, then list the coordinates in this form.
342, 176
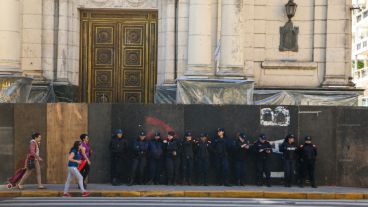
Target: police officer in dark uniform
140, 150
289, 150
221, 148
202, 157
263, 150
172, 158
119, 150
241, 148
187, 148
155, 148
308, 155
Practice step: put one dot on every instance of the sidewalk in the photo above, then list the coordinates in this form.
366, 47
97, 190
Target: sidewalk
105, 190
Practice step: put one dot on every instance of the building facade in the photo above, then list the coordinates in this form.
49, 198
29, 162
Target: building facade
121, 50
360, 47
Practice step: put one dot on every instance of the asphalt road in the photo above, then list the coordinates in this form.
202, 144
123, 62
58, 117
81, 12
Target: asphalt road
177, 202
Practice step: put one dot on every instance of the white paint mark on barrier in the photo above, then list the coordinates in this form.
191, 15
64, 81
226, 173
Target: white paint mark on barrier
280, 116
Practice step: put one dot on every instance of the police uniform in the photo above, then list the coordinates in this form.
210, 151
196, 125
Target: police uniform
172, 159
263, 150
289, 151
240, 155
202, 150
140, 149
308, 155
187, 148
155, 149
221, 148
119, 150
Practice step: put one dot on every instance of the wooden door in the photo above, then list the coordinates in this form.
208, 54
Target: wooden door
118, 56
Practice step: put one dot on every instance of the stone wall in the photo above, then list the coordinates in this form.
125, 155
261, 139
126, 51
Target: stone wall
43, 36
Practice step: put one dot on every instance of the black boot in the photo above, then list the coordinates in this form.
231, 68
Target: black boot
268, 183
131, 182
114, 182
205, 181
189, 182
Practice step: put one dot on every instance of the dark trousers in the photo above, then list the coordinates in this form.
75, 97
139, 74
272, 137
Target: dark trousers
172, 169
155, 167
223, 170
187, 168
84, 172
240, 170
308, 167
263, 166
203, 166
118, 164
139, 164
289, 169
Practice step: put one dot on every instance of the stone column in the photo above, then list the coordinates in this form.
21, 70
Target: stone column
338, 43
232, 57
199, 40
9, 37
62, 51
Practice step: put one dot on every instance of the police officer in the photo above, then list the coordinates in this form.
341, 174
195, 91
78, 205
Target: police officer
187, 158
202, 157
172, 158
155, 148
263, 150
119, 150
289, 150
308, 155
221, 148
241, 148
140, 149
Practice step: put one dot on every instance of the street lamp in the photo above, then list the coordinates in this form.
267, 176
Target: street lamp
291, 9
289, 33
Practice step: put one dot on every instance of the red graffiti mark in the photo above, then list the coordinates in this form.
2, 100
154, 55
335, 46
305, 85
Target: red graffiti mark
155, 124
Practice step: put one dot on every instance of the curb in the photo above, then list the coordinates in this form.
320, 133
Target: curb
210, 194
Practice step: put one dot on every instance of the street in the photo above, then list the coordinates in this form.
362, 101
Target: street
180, 202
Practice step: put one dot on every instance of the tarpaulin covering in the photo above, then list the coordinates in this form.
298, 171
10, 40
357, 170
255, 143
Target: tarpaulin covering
42, 94
165, 94
214, 91
305, 97
14, 89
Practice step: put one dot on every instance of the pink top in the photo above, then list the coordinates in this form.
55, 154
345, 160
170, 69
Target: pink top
34, 150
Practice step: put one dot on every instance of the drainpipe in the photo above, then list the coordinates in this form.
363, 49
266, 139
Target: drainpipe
56, 37
176, 40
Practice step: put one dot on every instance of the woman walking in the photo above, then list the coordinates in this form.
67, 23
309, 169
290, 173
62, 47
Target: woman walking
33, 161
86, 155
74, 161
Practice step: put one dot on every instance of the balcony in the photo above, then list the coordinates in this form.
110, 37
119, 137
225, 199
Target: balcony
361, 19
360, 74
361, 16
361, 47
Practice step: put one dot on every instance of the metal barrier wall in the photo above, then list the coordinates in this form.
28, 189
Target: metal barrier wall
339, 132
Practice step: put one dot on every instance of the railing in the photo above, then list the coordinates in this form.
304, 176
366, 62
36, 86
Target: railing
361, 73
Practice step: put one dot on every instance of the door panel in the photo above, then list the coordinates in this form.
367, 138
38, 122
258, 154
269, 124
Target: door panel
118, 56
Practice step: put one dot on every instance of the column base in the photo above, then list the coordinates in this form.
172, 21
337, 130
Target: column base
9, 70
336, 81
199, 71
231, 72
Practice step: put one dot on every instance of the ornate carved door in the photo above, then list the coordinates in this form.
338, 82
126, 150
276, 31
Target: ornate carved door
118, 56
